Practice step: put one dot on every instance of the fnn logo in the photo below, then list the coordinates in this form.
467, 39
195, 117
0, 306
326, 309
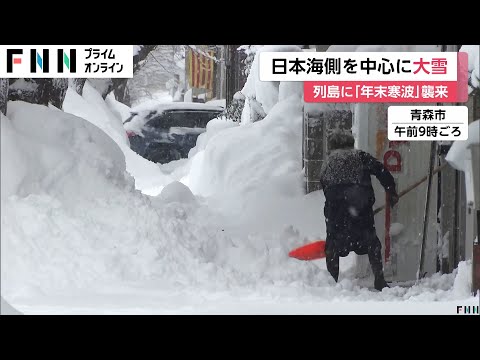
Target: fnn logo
70, 60
66, 61
13, 58
468, 309
41, 60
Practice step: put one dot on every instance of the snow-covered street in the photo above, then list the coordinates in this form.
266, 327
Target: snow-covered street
157, 298
90, 227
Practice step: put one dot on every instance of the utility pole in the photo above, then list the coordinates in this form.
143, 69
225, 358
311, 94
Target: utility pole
449, 183
230, 73
220, 88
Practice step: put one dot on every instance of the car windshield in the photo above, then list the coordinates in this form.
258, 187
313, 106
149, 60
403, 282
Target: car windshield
182, 118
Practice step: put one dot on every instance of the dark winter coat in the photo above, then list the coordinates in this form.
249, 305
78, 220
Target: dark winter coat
349, 196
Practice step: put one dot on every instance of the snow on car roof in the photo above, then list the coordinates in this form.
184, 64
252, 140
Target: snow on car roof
159, 107
140, 113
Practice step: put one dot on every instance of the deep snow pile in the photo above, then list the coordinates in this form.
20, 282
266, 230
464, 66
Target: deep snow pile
253, 171
71, 218
109, 116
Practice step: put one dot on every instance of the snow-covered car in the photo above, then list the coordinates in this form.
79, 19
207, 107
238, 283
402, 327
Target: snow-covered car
167, 131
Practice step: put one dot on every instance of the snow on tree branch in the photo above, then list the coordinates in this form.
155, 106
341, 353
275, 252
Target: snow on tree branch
141, 55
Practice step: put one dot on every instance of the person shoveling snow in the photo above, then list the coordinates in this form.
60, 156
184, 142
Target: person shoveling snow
349, 198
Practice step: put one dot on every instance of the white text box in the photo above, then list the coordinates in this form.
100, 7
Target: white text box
335, 66
427, 123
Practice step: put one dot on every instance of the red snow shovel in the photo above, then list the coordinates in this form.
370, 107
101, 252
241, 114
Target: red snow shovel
316, 250
312, 251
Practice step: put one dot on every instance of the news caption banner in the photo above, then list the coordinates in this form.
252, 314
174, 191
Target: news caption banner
371, 76
66, 61
427, 123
